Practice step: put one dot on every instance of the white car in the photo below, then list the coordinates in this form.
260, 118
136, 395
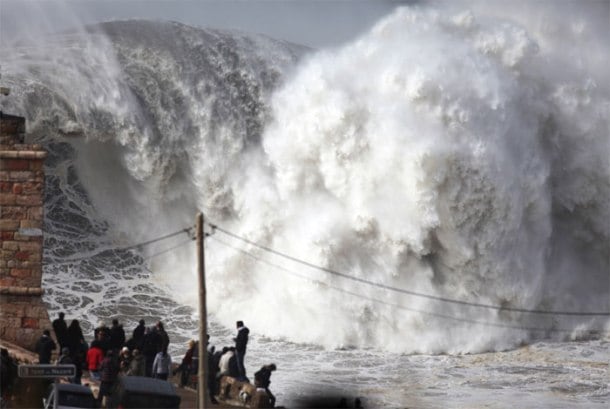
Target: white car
69, 396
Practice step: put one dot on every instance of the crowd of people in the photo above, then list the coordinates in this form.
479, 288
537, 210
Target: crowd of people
229, 361
145, 353
110, 354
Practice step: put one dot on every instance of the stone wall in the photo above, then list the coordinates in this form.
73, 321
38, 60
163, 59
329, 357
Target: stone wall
23, 315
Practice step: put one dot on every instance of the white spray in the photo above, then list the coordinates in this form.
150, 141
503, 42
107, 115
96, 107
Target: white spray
424, 157
445, 153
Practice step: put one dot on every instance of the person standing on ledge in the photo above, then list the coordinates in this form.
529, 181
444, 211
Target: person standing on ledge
61, 331
138, 335
45, 347
109, 371
162, 366
241, 340
117, 336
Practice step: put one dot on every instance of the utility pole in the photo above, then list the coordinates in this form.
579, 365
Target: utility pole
202, 389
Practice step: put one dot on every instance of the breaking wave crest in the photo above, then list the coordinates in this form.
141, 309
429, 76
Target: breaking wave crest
443, 153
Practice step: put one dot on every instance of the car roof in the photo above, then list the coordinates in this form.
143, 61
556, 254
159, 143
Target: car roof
143, 384
72, 387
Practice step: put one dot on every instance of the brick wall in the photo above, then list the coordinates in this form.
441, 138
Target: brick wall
23, 316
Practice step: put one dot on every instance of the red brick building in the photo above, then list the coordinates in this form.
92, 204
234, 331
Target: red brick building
23, 315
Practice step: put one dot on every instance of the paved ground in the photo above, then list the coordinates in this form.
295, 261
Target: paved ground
189, 398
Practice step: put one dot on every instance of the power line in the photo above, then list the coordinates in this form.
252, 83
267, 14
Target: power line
399, 306
167, 236
401, 290
169, 249
132, 247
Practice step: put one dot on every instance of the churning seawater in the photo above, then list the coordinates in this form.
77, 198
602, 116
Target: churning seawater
445, 178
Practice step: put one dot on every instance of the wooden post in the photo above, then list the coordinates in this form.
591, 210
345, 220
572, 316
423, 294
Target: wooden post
202, 387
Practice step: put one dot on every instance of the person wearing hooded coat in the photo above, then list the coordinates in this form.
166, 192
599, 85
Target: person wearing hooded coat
262, 379
75, 335
45, 347
162, 335
78, 348
117, 335
241, 341
138, 335
61, 331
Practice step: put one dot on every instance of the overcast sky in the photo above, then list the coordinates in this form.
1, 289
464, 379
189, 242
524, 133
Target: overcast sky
314, 23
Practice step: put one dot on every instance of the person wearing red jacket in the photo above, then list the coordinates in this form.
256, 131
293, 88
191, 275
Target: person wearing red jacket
95, 355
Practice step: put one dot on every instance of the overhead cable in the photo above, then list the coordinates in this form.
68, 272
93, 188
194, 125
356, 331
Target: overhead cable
185, 230
169, 249
401, 290
399, 306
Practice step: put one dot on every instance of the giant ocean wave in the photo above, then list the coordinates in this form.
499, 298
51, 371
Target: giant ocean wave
449, 154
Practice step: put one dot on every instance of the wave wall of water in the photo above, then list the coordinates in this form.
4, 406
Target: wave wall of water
448, 152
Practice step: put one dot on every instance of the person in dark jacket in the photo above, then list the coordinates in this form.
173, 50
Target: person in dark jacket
101, 327
61, 331
151, 346
8, 374
79, 356
262, 379
101, 334
241, 341
212, 370
138, 335
75, 336
45, 347
117, 335
65, 358
215, 365
163, 335
78, 348
109, 373
185, 366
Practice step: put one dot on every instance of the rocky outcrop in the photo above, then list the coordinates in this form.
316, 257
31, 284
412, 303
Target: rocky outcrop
237, 393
